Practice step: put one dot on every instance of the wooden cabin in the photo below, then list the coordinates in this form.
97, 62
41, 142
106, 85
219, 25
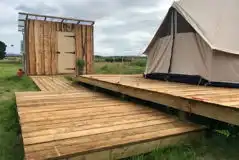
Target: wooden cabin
53, 44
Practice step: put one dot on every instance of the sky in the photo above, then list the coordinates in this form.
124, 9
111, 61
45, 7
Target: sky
122, 27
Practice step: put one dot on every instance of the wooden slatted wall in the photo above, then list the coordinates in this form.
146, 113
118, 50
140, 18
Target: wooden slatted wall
41, 45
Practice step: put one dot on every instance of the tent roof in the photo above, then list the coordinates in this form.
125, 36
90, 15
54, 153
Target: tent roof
216, 21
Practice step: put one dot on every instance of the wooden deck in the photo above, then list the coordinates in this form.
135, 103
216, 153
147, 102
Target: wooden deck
217, 103
54, 83
88, 125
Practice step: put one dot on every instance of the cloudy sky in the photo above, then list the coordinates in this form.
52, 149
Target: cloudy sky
123, 27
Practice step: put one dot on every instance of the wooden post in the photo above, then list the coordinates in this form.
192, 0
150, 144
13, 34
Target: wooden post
182, 116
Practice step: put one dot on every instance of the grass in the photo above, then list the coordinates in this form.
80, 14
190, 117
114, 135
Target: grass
119, 68
10, 140
217, 148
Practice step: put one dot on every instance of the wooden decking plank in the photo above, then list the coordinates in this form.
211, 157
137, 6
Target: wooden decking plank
96, 107
210, 94
96, 115
42, 94
73, 101
233, 104
48, 84
125, 151
43, 83
155, 83
50, 95
217, 95
62, 85
101, 137
224, 101
77, 122
64, 81
92, 124
52, 116
57, 85
64, 98
186, 91
102, 103
225, 98
176, 89
46, 123
54, 83
141, 82
39, 84
64, 135
128, 138
158, 83
81, 112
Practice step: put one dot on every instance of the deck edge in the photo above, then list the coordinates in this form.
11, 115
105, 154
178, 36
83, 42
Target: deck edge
138, 148
205, 109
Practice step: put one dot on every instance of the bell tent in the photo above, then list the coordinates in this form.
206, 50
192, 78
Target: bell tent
197, 43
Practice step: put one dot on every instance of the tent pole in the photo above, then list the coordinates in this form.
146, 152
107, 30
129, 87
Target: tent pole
173, 32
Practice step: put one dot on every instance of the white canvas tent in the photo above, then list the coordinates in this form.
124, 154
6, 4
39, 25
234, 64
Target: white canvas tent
197, 38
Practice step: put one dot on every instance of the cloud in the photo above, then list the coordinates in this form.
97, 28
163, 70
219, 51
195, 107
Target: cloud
39, 8
123, 27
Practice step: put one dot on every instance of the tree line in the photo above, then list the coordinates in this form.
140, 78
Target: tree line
3, 47
116, 58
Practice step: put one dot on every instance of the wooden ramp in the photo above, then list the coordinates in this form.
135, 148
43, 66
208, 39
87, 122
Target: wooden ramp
54, 83
217, 103
92, 126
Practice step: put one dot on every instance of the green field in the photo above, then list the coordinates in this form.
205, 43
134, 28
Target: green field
10, 140
117, 68
217, 148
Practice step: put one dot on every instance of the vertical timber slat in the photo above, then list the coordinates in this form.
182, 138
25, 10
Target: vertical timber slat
31, 50
50, 48
55, 48
78, 43
38, 46
46, 47
41, 47
83, 41
88, 49
37, 54
26, 31
91, 51
26, 60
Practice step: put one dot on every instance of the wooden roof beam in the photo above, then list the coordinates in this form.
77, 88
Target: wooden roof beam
74, 19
